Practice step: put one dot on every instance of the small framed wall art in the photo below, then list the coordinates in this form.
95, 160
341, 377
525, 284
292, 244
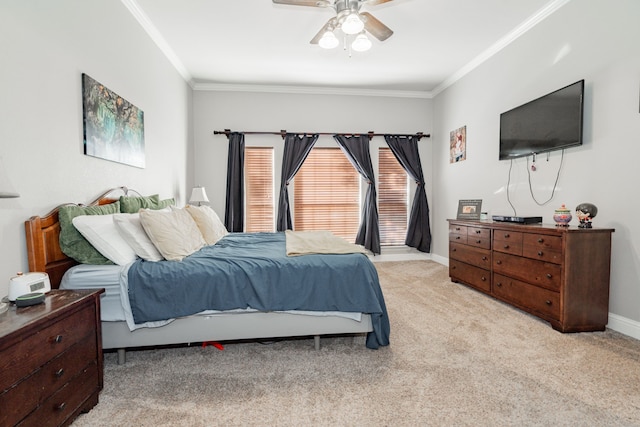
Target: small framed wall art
113, 127
458, 145
469, 209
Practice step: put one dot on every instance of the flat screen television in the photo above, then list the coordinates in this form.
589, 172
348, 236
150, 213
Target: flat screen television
551, 122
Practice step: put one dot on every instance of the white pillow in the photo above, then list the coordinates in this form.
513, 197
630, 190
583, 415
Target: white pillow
131, 230
208, 222
175, 233
102, 233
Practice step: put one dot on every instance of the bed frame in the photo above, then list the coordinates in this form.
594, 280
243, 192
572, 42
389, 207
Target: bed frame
45, 255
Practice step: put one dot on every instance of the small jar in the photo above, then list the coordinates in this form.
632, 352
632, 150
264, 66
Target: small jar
562, 216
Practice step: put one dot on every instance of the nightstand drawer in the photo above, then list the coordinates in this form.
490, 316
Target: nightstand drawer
40, 347
55, 410
18, 401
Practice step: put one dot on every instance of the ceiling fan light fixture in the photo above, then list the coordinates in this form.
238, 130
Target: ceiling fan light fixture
328, 40
353, 24
361, 43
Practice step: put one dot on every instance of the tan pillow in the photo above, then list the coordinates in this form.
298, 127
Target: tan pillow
208, 222
174, 233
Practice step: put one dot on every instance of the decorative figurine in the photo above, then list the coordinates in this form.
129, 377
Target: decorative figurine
562, 216
585, 212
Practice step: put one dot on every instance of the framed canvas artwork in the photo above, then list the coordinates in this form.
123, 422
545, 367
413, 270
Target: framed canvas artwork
113, 127
458, 145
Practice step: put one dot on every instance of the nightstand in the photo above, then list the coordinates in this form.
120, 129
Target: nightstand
51, 359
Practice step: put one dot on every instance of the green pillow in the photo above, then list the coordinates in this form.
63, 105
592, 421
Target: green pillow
134, 204
72, 243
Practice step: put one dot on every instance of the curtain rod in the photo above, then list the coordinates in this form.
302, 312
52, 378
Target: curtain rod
282, 133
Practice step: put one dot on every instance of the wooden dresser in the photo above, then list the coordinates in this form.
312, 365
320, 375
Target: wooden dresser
50, 359
560, 274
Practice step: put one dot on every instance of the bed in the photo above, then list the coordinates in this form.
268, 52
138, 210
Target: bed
302, 311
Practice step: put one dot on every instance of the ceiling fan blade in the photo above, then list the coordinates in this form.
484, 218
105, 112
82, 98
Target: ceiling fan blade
375, 27
329, 26
312, 3
376, 2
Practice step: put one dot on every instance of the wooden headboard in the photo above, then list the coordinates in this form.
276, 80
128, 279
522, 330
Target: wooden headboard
43, 234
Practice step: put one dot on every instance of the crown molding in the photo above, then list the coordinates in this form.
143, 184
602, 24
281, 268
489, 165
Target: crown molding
157, 38
527, 25
309, 90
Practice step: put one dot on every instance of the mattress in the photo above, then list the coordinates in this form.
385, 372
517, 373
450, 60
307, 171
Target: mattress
114, 304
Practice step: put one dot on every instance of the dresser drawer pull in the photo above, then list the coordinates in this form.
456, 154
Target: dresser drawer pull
549, 276
453, 267
453, 250
540, 240
478, 241
499, 284
478, 231
540, 253
484, 279
57, 339
506, 235
457, 228
59, 373
499, 262
457, 237
506, 246
61, 406
484, 258
547, 302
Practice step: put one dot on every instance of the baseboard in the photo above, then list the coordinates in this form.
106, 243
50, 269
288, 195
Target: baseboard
417, 256
624, 326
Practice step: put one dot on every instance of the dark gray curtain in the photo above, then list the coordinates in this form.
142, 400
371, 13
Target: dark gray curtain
405, 149
296, 150
234, 211
356, 148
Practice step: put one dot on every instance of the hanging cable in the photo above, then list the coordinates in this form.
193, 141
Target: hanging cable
555, 184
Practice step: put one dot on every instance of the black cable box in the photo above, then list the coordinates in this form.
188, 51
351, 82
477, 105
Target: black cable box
518, 219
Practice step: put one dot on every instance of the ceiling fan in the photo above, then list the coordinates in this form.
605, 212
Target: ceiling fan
349, 20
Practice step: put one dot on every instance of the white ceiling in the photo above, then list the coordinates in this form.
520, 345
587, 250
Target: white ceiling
237, 44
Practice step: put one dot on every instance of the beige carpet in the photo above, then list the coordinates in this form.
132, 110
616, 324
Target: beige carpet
457, 358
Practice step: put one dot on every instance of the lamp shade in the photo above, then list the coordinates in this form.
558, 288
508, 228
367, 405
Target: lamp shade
361, 43
198, 196
353, 24
328, 40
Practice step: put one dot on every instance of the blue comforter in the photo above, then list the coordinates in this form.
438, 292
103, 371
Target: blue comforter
252, 270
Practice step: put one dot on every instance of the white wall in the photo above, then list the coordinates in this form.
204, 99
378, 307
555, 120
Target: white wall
242, 111
587, 39
46, 46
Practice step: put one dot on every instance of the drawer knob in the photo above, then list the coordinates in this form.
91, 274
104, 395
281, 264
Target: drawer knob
506, 235
547, 302
484, 258
453, 267
59, 373
453, 250
499, 284
457, 237
457, 228
478, 241
549, 276
498, 262
478, 231
61, 406
506, 246
540, 253
58, 339
540, 240
484, 279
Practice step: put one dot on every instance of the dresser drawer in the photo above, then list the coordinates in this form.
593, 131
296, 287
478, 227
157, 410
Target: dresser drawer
459, 238
35, 350
458, 229
480, 237
540, 273
18, 401
471, 275
539, 301
55, 410
471, 255
507, 241
542, 247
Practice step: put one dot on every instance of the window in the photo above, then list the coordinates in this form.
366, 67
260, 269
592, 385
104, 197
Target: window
327, 194
258, 181
393, 199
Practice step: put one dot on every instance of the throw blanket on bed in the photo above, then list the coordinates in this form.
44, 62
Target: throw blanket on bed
318, 242
252, 270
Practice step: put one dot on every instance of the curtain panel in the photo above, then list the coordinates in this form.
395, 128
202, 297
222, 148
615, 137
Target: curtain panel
296, 150
356, 148
234, 210
405, 149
